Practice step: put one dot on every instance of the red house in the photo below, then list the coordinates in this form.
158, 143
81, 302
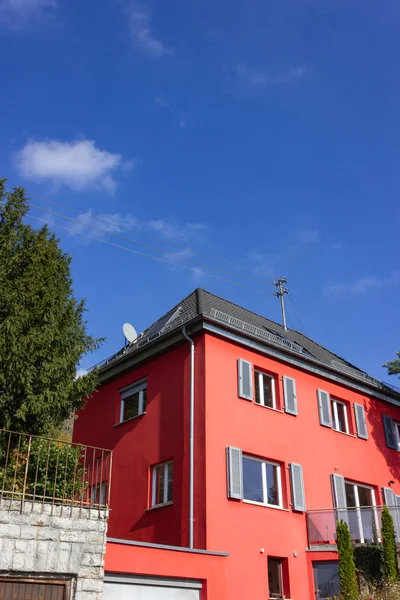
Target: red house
242, 443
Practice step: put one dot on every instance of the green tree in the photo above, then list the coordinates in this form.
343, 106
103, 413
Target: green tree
393, 366
390, 566
42, 328
347, 569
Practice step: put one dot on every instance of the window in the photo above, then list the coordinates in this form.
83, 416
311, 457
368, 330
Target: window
275, 583
397, 433
392, 432
133, 401
265, 389
162, 480
355, 504
261, 482
339, 412
98, 493
363, 520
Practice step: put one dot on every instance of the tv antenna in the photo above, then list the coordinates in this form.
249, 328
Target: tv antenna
129, 332
280, 293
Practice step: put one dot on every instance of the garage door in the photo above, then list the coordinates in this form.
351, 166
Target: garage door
149, 588
31, 590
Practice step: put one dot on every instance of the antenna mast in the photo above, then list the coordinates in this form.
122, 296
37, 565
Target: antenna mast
280, 293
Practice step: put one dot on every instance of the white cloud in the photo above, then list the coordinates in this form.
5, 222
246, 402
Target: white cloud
251, 79
179, 115
100, 225
141, 32
108, 223
17, 12
171, 230
362, 285
308, 236
79, 164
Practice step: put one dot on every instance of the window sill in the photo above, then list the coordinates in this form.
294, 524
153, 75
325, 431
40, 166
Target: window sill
277, 410
128, 420
265, 505
159, 506
344, 433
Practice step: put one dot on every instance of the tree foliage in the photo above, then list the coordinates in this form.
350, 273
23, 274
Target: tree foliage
42, 328
347, 569
393, 366
390, 566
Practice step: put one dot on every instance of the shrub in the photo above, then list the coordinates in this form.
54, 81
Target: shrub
390, 567
49, 468
347, 569
369, 561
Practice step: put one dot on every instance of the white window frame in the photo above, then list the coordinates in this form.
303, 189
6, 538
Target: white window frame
358, 508
335, 415
264, 481
258, 375
396, 427
154, 483
129, 391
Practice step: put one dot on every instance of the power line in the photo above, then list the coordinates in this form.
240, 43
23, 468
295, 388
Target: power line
171, 264
127, 239
296, 313
221, 260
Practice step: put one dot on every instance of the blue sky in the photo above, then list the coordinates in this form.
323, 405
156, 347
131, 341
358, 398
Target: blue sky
264, 133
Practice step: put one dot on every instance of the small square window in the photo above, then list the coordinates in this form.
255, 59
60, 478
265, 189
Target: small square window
265, 389
162, 484
339, 412
275, 579
133, 401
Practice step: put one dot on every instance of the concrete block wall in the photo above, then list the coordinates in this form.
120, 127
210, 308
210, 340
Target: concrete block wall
45, 540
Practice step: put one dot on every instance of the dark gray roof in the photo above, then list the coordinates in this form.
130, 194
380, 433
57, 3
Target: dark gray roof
201, 304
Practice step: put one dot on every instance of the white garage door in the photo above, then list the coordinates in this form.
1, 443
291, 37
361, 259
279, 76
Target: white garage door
146, 588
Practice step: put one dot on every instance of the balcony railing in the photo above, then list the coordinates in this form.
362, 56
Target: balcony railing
43, 471
364, 524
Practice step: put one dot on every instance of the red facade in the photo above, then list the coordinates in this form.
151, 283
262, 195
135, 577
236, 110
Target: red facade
279, 526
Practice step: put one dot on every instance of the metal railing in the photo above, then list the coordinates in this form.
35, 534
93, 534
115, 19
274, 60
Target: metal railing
285, 343
364, 524
257, 331
45, 471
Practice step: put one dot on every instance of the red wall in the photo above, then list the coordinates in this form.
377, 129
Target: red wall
223, 419
167, 563
159, 435
243, 529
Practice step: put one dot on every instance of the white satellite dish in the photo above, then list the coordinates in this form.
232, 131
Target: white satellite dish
129, 332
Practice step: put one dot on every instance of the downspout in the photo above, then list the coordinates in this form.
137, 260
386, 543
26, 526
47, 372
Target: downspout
191, 441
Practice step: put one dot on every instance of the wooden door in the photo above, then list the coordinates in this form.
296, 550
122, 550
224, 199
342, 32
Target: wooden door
31, 589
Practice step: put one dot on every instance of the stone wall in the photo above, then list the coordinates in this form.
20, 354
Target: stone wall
46, 541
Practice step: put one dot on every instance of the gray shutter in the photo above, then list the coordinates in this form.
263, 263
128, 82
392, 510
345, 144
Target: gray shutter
389, 432
324, 405
361, 422
339, 497
388, 497
297, 485
289, 389
397, 498
234, 469
245, 379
